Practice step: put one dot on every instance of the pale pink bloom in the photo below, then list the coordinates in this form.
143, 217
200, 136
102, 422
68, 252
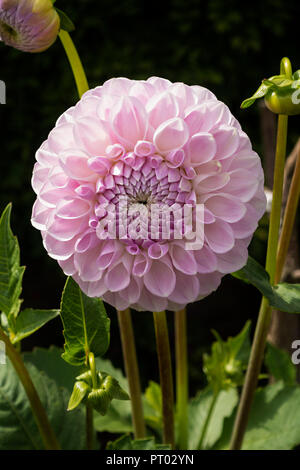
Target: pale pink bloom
149, 142
28, 25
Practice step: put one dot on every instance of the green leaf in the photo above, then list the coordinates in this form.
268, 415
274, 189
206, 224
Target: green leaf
65, 22
224, 367
239, 345
126, 443
198, 411
279, 365
153, 396
153, 406
283, 296
117, 419
262, 91
86, 324
18, 429
11, 273
30, 320
51, 363
286, 297
274, 422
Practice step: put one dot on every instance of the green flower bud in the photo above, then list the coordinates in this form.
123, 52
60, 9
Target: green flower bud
108, 388
281, 93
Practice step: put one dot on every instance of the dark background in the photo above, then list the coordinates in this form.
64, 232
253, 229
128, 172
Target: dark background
227, 46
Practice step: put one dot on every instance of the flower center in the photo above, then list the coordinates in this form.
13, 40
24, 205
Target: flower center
142, 199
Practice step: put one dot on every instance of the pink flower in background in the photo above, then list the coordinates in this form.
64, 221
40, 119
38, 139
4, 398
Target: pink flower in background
147, 142
28, 25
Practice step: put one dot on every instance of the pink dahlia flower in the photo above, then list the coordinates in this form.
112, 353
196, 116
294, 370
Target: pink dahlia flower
28, 25
147, 142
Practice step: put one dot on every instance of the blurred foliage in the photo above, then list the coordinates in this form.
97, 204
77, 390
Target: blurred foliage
225, 46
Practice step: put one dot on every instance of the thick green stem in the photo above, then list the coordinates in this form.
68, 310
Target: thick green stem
92, 366
264, 317
89, 408
181, 378
75, 62
208, 417
39, 413
165, 373
132, 372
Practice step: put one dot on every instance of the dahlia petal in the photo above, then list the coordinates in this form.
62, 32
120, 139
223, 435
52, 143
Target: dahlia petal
117, 277
206, 116
225, 207
58, 178
243, 228
59, 250
66, 117
45, 157
243, 184
227, 140
160, 279
219, 236
175, 158
95, 289
99, 165
40, 173
182, 259
87, 265
105, 104
150, 302
201, 148
185, 95
115, 151
203, 93
160, 84
186, 289
157, 250
206, 260
212, 183
110, 251
143, 91
209, 282
39, 216
61, 138
129, 121
49, 195
92, 135
113, 298
73, 209
86, 241
63, 229
162, 107
75, 164
86, 108
132, 293
141, 265
117, 86
234, 259
68, 266
143, 148
171, 135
